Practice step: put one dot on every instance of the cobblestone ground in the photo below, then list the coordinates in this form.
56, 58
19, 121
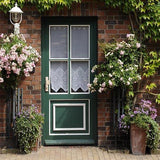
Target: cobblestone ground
76, 153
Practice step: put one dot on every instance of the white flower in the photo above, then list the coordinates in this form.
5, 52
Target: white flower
94, 68
103, 84
89, 85
111, 66
121, 78
92, 71
128, 45
128, 83
139, 77
101, 90
111, 54
6, 40
120, 62
11, 35
1, 36
130, 36
110, 75
95, 80
93, 90
129, 79
119, 45
138, 45
1, 80
107, 54
136, 66
110, 83
122, 52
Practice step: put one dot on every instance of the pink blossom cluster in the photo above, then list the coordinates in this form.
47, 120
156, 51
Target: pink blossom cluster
16, 57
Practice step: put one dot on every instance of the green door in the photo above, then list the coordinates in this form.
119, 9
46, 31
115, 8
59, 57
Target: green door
69, 48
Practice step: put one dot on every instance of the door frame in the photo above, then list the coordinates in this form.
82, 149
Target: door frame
46, 21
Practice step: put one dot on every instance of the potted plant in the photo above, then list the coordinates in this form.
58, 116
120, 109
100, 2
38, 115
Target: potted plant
126, 65
141, 119
28, 124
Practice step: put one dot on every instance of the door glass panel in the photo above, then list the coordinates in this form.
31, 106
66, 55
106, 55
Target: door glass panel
58, 77
80, 41
58, 41
80, 76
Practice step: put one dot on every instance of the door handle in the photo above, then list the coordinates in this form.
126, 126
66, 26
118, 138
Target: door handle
47, 83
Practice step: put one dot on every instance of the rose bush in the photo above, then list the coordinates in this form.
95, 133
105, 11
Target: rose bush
121, 65
17, 59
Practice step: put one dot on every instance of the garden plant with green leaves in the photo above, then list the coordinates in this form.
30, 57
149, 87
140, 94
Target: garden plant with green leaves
120, 67
28, 124
144, 117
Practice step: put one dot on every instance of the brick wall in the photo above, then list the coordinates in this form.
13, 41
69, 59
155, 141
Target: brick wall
112, 24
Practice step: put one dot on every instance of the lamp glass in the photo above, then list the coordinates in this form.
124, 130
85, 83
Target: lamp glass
16, 17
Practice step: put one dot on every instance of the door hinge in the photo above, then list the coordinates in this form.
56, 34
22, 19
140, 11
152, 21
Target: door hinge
47, 83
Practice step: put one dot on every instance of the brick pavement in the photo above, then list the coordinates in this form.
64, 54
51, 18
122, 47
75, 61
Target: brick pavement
75, 153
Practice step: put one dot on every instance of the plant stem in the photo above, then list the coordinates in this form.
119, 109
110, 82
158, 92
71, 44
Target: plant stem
130, 19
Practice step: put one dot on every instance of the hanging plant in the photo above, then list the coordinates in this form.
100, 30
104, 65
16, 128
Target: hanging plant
17, 60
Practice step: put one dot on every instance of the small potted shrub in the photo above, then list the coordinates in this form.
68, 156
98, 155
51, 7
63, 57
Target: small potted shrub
28, 124
141, 119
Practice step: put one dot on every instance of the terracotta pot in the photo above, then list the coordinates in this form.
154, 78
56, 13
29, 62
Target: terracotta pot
138, 140
37, 146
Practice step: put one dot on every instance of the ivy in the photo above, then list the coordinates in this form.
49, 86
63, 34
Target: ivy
41, 5
150, 67
144, 13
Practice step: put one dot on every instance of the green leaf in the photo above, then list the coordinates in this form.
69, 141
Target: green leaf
151, 86
158, 99
131, 94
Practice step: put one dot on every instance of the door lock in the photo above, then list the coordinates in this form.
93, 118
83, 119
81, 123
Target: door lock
47, 83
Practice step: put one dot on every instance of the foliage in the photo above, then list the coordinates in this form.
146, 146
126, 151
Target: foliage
151, 64
150, 67
121, 65
28, 125
144, 117
145, 14
42, 5
16, 60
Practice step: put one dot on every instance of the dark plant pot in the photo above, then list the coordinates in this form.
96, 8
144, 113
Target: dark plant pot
138, 140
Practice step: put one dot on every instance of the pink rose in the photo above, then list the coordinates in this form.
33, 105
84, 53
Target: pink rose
1, 80
121, 52
138, 45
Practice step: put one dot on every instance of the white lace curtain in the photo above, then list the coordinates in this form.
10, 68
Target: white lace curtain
79, 73
58, 76
80, 77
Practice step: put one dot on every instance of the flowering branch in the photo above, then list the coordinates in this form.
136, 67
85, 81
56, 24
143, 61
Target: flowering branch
17, 59
121, 66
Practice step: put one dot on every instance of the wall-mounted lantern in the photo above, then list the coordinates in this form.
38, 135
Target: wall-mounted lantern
16, 18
